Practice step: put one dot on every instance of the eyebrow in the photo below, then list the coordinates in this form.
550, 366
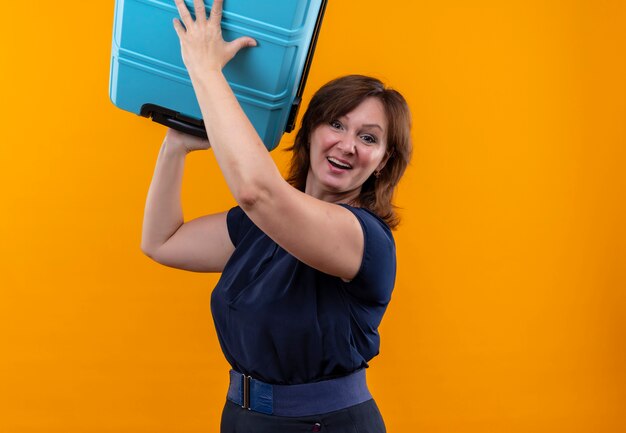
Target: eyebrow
374, 125
371, 125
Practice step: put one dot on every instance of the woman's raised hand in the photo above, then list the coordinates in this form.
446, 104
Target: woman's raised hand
184, 142
202, 46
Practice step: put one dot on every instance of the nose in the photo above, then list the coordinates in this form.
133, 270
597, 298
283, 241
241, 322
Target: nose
346, 145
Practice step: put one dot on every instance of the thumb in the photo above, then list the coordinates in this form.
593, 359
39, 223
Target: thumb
240, 43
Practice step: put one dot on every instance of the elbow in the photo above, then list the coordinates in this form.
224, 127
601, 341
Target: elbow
258, 191
256, 188
250, 196
248, 199
148, 250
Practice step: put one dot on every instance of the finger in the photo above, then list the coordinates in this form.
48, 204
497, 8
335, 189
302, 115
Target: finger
178, 26
200, 10
184, 13
239, 43
215, 16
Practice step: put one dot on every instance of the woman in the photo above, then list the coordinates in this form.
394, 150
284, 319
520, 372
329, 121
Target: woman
308, 264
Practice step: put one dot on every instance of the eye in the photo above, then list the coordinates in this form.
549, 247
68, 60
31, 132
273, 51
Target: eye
335, 124
369, 139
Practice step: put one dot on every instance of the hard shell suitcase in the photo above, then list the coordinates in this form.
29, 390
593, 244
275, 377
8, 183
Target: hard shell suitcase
148, 76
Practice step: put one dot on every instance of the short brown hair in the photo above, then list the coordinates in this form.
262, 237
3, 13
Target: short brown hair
339, 97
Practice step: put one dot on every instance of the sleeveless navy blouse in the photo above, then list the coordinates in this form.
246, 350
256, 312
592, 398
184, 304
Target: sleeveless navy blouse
283, 322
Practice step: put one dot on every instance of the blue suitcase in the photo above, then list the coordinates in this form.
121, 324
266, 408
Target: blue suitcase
148, 76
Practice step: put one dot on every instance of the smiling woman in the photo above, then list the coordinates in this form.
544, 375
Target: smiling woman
308, 264
380, 122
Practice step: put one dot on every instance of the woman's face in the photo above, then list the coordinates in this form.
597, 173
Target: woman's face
346, 151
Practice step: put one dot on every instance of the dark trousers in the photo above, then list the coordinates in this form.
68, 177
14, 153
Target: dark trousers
361, 418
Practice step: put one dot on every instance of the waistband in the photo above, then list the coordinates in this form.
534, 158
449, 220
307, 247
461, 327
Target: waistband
298, 400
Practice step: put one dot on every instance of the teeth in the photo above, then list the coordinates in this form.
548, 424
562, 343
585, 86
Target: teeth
336, 162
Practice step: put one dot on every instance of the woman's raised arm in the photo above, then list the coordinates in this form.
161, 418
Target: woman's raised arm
323, 235
200, 245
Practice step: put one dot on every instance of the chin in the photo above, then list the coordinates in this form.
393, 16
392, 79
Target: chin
334, 184
333, 188
339, 187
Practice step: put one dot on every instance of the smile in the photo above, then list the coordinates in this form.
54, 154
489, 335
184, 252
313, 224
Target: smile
338, 164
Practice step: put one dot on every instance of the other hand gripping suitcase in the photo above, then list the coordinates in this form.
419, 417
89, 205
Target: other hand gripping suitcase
148, 76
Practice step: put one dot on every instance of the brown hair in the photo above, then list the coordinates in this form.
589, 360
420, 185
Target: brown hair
338, 98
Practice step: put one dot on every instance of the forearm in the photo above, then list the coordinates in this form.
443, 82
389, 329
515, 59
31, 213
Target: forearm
245, 162
163, 214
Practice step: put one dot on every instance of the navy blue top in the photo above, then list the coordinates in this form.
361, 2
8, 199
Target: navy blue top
284, 322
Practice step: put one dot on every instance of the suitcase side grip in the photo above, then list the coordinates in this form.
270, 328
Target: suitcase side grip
173, 119
293, 114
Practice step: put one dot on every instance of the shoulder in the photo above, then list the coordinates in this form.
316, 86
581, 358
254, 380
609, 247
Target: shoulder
372, 224
376, 276
238, 224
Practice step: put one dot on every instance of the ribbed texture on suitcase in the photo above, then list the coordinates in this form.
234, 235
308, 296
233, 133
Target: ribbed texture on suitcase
147, 67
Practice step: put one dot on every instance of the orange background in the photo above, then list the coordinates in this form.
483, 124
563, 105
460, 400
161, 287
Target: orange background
509, 309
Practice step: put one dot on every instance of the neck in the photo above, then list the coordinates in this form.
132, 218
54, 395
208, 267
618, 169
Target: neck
337, 197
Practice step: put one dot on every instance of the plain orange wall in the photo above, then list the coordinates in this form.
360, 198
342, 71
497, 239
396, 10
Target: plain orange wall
509, 309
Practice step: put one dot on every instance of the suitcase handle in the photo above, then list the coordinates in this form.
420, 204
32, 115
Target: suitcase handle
175, 120
293, 113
